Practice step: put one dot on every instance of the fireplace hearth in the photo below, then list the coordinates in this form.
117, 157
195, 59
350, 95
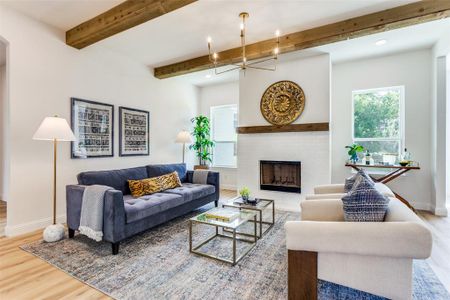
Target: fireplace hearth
282, 176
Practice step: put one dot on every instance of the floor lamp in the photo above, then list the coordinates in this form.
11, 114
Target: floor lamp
184, 137
57, 130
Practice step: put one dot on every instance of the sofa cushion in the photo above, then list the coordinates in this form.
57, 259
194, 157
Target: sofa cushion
142, 207
364, 203
117, 179
153, 185
158, 170
191, 191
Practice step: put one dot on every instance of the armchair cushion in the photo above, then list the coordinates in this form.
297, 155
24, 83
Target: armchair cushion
364, 203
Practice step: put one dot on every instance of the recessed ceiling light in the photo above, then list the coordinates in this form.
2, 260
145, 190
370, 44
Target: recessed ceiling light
208, 76
380, 42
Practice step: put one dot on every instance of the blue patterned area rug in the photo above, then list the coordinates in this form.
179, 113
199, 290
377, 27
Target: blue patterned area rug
157, 264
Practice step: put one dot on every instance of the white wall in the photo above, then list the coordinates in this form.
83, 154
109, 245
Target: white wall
2, 127
215, 95
44, 74
411, 69
438, 130
311, 148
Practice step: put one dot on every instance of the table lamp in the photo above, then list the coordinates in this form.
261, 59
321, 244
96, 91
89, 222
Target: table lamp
184, 137
57, 130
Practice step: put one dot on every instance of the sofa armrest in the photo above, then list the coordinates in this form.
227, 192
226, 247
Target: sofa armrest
74, 198
329, 189
388, 239
113, 212
322, 210
114, 216
212, 179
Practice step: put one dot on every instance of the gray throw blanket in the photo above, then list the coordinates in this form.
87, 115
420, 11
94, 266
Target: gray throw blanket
91, 220
200, 176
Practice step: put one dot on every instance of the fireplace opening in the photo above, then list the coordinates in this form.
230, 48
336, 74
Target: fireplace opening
283, 176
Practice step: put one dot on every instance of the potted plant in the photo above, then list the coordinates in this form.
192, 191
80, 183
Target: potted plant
353, 151
245, 193
202, 145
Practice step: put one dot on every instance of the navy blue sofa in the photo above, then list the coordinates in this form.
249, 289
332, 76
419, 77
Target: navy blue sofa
124, 215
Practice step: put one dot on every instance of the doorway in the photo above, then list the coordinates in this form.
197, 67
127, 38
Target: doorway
3, 146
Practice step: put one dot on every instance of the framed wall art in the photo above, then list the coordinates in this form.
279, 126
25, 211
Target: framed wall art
134, 132
93, 125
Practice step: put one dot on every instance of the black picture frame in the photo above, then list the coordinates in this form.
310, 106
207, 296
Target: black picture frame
73, 145
122, 134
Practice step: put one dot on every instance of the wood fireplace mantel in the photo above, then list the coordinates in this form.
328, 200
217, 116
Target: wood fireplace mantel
284, 128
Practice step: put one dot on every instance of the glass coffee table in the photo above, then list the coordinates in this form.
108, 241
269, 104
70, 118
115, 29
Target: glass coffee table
259, 208
243, 218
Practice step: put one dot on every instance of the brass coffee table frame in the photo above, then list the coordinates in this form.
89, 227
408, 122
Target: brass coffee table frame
235, 259
260, 212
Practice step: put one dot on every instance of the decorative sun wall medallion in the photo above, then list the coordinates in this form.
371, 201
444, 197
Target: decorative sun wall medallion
282, 102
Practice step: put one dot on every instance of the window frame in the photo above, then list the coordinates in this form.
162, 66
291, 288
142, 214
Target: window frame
213, 163
401, 138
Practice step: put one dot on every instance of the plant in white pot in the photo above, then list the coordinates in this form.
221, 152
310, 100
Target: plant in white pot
203, 144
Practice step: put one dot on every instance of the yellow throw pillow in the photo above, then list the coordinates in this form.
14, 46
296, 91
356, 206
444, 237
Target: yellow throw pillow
154, 185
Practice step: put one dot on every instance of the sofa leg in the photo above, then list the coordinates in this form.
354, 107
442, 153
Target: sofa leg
71, 233
216, 203
302, 275
115, 248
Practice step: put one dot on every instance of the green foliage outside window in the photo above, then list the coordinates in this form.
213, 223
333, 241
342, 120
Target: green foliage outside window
377, 116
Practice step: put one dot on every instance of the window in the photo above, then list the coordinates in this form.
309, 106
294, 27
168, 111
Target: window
223, 133
378, 120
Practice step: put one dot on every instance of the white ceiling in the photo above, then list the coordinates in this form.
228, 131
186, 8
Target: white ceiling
62, 14
182, 33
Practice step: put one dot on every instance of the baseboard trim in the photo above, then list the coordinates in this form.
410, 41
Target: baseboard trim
441, 211
422, 206
228, 187
24, 228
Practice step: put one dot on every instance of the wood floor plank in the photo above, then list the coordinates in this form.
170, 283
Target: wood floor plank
24, 276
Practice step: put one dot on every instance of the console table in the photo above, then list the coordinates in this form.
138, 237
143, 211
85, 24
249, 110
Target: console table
396, 171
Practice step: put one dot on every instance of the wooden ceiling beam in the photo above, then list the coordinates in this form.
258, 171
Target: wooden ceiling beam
120, 18
394, 18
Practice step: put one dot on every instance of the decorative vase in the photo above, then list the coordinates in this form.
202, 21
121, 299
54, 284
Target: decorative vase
354, 158
245, 198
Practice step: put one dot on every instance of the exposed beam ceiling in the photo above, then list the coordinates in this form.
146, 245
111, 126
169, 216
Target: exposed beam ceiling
397, 17
120, 18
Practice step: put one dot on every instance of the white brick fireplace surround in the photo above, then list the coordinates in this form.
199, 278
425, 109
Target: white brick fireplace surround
311, 148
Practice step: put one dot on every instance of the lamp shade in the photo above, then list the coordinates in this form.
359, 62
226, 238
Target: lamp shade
54, 128
184, 137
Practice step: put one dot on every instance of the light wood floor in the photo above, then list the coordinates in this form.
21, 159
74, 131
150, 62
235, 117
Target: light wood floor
23, 276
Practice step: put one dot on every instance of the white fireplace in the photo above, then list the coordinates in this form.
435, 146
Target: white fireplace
312, 149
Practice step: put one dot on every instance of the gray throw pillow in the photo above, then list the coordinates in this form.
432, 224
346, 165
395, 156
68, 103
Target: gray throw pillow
349, 182
363, 203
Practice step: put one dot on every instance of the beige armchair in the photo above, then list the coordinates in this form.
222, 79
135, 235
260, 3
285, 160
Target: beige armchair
336, 191
375, 257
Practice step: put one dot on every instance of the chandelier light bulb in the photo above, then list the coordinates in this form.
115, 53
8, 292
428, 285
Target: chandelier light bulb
276, 51
277, 33
245, 59
209, 39
242, 26
215, 55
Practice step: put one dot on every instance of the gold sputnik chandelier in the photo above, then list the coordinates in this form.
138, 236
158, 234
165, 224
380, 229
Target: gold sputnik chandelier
243, 65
